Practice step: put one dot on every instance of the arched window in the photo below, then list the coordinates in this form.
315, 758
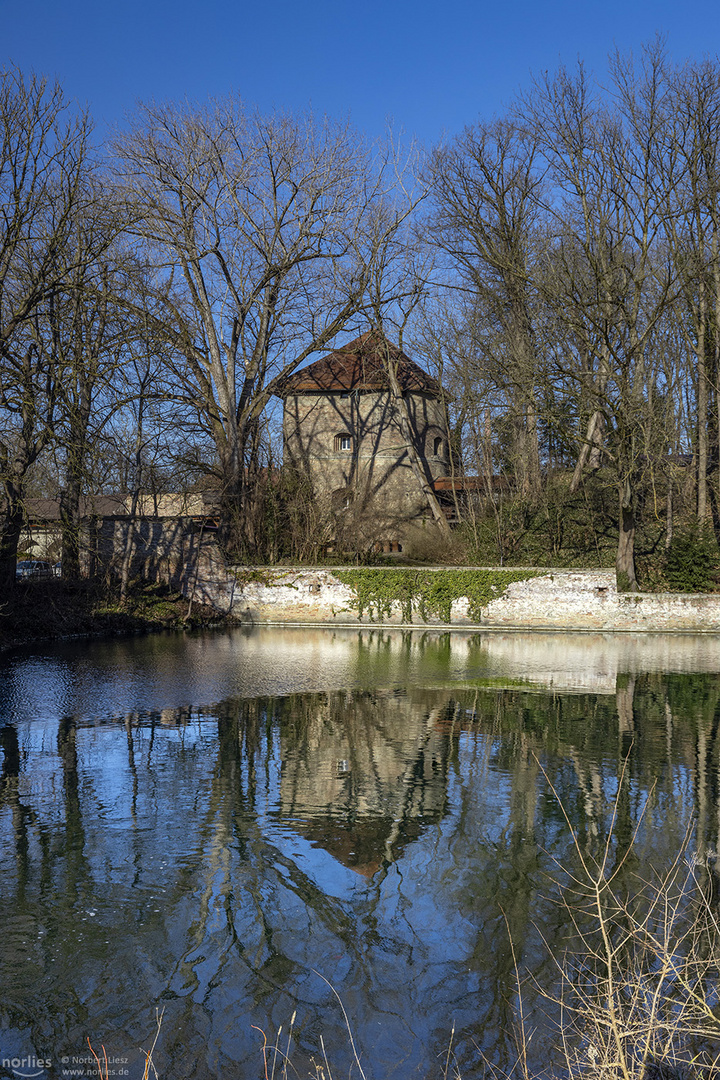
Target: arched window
343, 441
437, 447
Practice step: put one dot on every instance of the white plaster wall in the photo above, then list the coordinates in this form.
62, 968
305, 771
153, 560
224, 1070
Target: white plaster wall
559, 599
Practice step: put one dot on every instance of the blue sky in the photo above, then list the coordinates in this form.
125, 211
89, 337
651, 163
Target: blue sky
430, 68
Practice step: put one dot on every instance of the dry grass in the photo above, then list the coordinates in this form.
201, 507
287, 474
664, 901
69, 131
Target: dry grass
149, 1069
277, 1058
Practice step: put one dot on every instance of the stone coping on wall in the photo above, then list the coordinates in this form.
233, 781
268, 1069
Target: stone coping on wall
558, 599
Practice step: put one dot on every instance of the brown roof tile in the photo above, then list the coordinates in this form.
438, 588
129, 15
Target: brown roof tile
360, 365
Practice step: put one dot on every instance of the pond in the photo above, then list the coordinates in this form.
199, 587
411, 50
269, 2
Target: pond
253, 831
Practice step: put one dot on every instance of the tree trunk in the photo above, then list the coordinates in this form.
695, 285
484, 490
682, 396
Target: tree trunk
714, 404
85, 379
702, 411
235, 536
531, 452
488, 454
591, 450
625, 561
130, 536
70, 525
11, 523
409, 435
129, 546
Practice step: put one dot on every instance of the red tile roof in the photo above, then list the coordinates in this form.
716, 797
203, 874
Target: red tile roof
361, 365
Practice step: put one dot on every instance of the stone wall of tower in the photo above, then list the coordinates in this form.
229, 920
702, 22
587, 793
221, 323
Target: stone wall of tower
351, 447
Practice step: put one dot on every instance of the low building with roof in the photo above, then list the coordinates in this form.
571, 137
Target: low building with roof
158, 534
360, 447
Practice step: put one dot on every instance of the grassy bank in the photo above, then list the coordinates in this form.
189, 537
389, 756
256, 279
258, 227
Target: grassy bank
54, 609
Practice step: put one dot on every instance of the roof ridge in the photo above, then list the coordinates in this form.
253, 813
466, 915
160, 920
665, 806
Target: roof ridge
355, 366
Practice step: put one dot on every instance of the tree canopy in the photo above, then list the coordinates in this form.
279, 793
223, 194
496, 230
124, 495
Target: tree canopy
558, 267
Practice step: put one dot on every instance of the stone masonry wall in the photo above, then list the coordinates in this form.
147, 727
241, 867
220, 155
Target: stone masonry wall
557, 600
180, 554
375, 468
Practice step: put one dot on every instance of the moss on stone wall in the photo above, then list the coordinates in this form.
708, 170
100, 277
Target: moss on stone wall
429, 593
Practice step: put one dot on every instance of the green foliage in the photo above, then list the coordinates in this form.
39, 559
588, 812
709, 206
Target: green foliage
251, 575
623, 583
427, 592
693, 560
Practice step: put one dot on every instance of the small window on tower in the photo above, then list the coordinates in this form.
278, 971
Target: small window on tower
343, 441
437, 447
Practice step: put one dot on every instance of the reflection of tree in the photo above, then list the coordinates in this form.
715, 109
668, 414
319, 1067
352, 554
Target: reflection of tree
238, 826
605, 742
499, 894
517, 731
699, 699
11, 753
17, 924
624, 696
9, 796
79, 882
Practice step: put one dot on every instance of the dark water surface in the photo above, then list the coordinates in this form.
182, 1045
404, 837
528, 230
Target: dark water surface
234, 828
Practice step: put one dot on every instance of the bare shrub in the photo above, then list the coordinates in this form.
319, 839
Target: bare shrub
638, 992
424, 543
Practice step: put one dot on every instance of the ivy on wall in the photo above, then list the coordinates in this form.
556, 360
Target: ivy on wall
425, 592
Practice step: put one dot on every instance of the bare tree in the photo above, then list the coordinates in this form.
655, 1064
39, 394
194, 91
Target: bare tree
43, 156
266, 230
693, 231
488, 222
92, 328
611, 281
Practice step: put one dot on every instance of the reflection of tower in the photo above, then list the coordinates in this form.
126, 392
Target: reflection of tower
363, 773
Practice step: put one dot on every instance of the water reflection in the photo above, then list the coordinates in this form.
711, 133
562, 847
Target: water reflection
217, 825
361, 772
111, 679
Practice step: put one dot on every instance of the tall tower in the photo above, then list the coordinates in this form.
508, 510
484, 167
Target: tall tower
359, 435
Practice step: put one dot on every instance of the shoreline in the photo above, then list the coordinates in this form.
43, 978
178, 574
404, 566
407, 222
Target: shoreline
546, 601
466, 628
44, 612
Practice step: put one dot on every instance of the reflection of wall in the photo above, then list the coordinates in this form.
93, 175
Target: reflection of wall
580, 662
311, 658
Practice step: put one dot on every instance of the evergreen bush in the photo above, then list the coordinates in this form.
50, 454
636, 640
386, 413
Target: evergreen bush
693, 560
